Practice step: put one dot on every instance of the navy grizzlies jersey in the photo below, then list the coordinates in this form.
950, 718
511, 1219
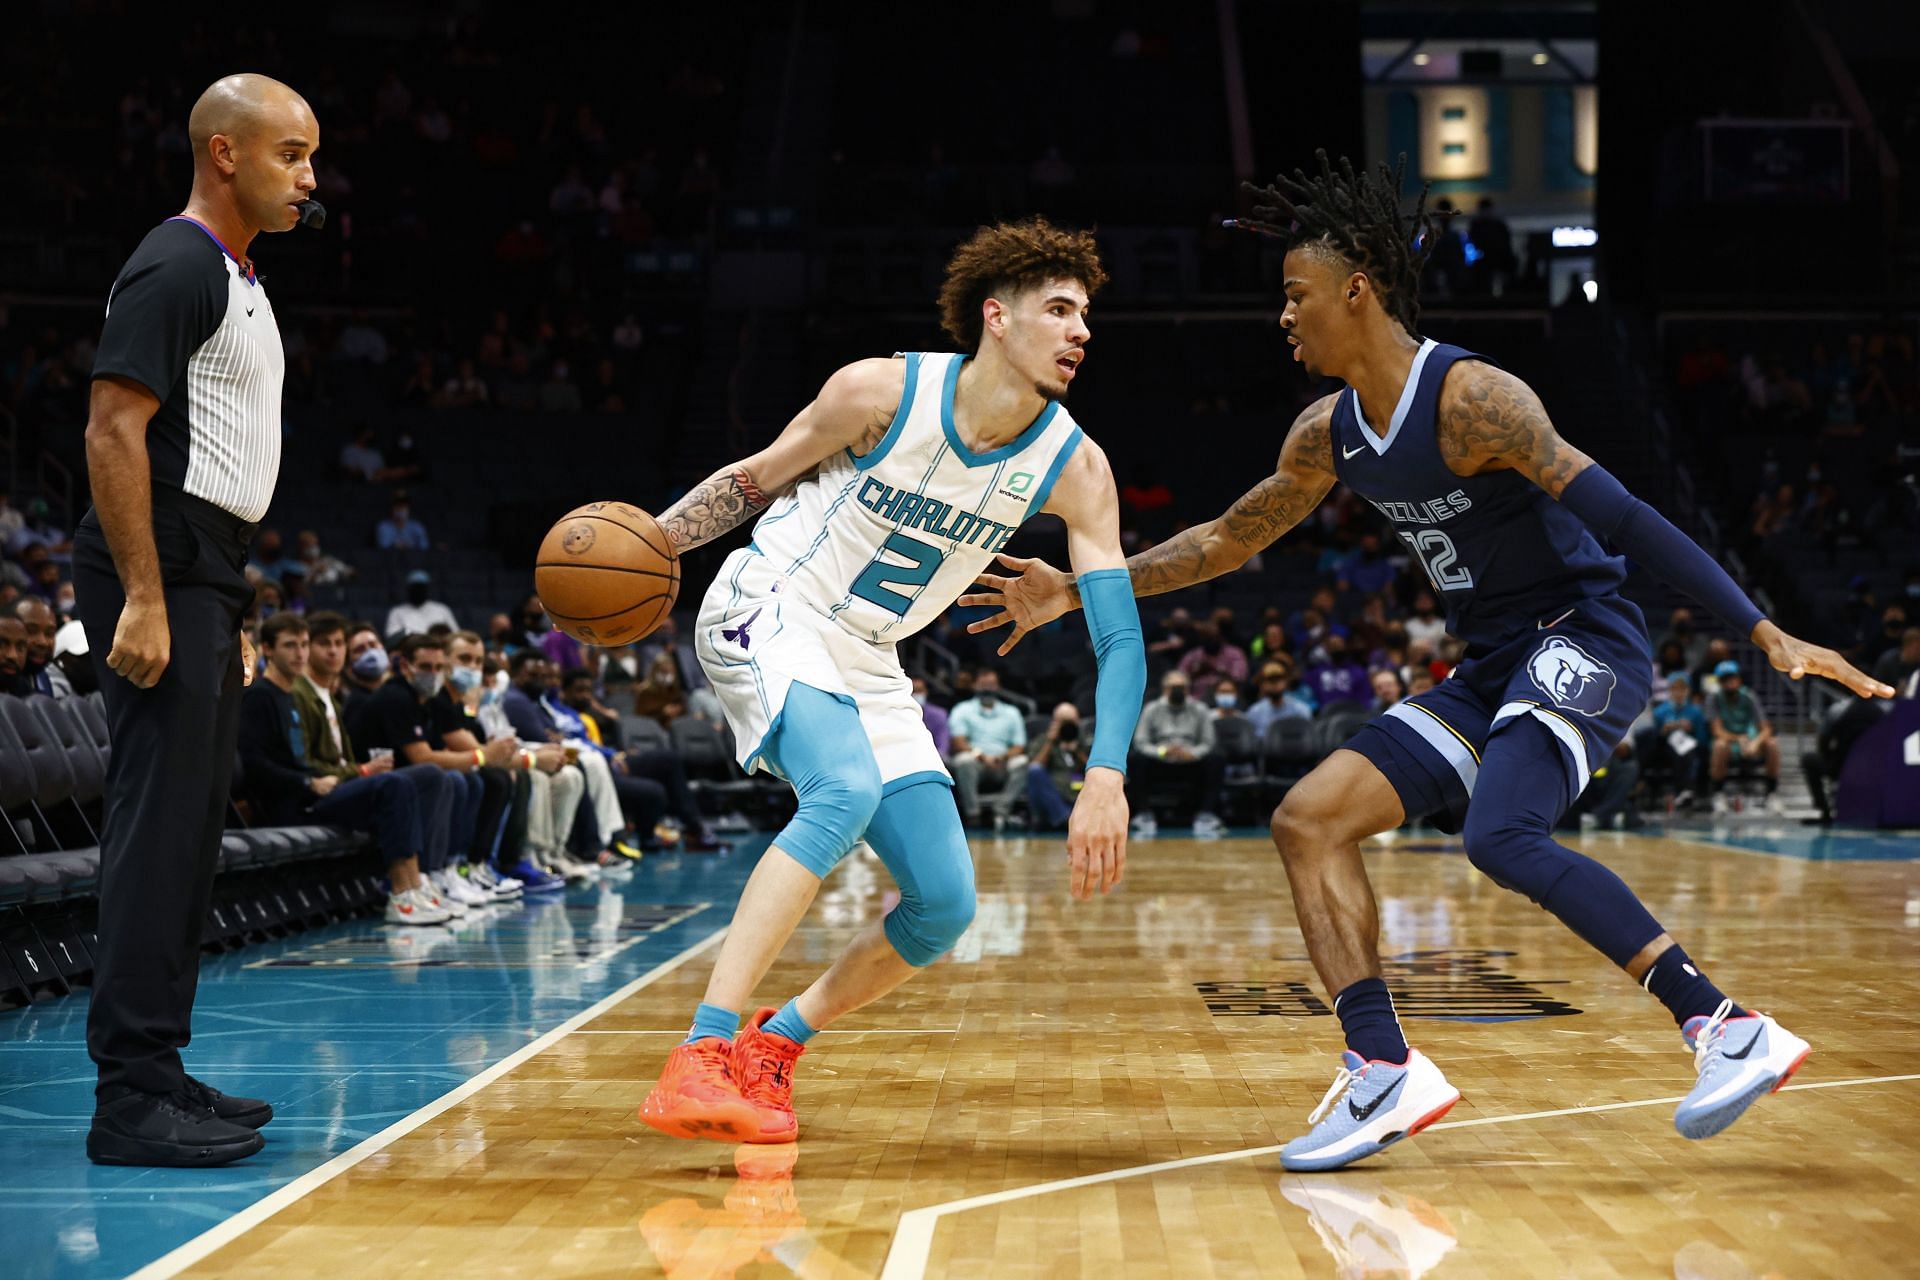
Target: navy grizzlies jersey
1502, 555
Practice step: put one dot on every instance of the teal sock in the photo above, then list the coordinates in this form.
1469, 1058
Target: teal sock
712, 1020
789, 1023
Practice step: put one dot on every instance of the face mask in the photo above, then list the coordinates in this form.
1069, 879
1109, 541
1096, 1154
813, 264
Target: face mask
1276, 692
490, 697
426, 683
920, 699
1913, 592
371, 665
417, 593
1226, 701
989, 698
463, 679
400, 515
1176, 696
628, 664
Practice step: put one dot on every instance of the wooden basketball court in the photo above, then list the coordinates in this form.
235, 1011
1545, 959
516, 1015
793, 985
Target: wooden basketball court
1098, 1090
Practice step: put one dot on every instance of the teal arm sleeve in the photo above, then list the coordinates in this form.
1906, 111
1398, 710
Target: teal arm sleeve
1113, 621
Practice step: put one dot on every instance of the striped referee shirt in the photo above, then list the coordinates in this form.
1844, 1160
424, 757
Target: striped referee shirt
190, 323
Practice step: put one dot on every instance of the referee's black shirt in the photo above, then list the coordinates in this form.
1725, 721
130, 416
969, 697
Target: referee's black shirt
192, 325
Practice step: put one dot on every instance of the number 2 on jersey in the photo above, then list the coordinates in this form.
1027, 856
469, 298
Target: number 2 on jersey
1439, 559
877, 580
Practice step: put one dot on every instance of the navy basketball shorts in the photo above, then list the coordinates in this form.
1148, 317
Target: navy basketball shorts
1584, 674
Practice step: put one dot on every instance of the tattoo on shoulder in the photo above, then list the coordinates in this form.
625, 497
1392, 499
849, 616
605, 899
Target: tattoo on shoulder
1493, 421
721, 502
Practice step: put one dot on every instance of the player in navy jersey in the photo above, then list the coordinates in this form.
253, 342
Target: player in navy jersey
1508, 521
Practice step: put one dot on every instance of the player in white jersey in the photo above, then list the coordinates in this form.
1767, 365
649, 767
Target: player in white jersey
877, 507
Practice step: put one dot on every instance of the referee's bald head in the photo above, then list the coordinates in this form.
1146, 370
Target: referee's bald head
256, 137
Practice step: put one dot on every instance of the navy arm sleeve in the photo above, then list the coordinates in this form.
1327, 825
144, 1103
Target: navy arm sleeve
169, 299
1648, 538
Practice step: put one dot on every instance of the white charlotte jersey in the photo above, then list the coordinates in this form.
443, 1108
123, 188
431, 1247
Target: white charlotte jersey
883, 542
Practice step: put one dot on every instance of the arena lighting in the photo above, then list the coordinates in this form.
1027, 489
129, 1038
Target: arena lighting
1575, 237
1422, 59
1539, 59
1592, 289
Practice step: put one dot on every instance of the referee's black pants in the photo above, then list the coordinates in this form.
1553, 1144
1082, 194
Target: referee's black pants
168, 780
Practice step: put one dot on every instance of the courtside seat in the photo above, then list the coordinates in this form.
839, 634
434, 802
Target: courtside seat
53, 776
48, 877
64, 726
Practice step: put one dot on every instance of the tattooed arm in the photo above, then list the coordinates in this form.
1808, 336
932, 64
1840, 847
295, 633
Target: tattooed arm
1042, 593
1492, 421
852, 411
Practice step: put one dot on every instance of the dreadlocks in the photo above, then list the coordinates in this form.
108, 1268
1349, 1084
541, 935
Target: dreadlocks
1356, 215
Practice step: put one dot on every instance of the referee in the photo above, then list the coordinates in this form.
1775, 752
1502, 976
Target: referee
183, 447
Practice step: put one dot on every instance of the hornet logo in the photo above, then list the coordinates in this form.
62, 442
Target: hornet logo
738, 635
1574, 681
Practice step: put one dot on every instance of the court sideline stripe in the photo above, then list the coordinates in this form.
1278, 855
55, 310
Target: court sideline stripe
260, 1210
913, 1236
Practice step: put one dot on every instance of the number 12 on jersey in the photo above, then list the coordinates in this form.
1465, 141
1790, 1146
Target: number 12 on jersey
1439, 559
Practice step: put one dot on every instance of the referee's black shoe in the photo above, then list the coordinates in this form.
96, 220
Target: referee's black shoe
165, 1129
251, 1112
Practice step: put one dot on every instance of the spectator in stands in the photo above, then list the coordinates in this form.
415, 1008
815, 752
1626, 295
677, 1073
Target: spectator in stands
361, 459
1388, 689
13, 656
37, 616
1334, 676
367, 664
1057, 760
1895, 667
666, 639
1176, 636
400, 531
1269, 644
558, 394
1173, 745
1719, 653
1494, 261
1367, 571
12, 519
1426, 625
1680, 631
661, 696
72, 673
1740, 731
1226, 698
660, 765
1773, 514
48, 579
1670, 659
421, 613
530, 677
987, 739
286, 787
1677, 740
1210, 660
398, 717
1279, 699
321, 569
933, 715
1840, 728
466, 389
40, 531
1420, 681
269, 558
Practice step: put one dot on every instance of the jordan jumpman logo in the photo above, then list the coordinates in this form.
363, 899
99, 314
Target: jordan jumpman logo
738, 635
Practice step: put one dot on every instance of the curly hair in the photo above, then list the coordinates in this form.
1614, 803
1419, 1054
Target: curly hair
1357, 215
1011, 256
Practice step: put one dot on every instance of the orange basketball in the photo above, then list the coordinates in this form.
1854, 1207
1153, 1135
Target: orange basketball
606, 573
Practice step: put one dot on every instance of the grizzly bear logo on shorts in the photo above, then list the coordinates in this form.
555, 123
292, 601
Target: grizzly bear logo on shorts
1573, 679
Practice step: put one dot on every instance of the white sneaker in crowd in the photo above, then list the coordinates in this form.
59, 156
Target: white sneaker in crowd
490, 882
1207, 825
407, 907
454, 888
429, 892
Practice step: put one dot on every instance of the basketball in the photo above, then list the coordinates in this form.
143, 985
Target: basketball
606, 573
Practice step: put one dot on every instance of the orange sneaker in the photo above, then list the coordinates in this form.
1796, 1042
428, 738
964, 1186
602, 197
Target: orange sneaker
763, 1064
697, 1097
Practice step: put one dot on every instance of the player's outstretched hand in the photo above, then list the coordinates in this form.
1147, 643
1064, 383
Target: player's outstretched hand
1097, 834
1035, 598
1799, 659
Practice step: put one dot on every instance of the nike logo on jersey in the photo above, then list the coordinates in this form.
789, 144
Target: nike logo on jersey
1542, 626
249, 313
1360, 1113
1348, 453
738, 635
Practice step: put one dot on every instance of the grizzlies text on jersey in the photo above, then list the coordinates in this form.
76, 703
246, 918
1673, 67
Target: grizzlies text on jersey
1500, 552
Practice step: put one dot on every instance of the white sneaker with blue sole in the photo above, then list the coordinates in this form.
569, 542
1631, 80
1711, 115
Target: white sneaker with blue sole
1740, 1061
1370, 1106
